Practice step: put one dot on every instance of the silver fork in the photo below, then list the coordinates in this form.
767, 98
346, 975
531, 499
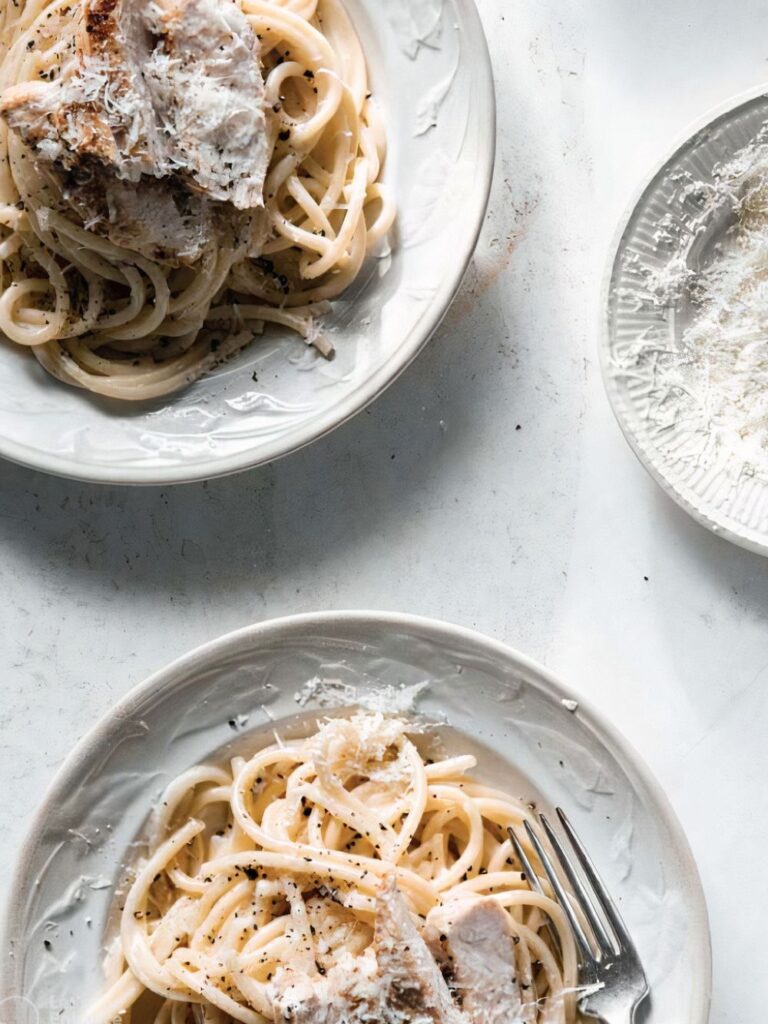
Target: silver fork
609, 967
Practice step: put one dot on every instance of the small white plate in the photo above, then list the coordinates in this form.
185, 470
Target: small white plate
430, 70
709, 475
527, 730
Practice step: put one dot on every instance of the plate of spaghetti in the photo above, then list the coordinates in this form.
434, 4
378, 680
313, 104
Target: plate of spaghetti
306, 820
226, 225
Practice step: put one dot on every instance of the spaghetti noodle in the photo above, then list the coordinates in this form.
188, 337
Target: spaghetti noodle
110, 318
271, 869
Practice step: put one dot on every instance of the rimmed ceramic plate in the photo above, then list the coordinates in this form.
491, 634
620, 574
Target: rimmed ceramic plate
430, 69
527, 730
673, 233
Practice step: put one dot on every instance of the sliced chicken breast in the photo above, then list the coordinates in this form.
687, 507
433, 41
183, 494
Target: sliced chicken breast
99, 108
113, 44
349, 993
167, 96
476, 941
207, 92
396, 981
410, 974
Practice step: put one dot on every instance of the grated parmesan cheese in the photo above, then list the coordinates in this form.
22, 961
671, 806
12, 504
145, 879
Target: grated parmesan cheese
714, 380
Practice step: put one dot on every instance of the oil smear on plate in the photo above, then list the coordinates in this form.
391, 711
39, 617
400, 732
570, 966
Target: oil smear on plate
690, 343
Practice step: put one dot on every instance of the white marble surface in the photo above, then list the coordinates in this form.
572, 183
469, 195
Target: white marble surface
433, 501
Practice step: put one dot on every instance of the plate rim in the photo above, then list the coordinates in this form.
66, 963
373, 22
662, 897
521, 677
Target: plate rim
746, 538
166, 678
372, 387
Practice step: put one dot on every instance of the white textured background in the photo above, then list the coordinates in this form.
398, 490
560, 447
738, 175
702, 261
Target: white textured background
434, 502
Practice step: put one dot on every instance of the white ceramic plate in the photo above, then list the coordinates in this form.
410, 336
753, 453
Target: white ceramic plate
232, 693
430, 69
709, 475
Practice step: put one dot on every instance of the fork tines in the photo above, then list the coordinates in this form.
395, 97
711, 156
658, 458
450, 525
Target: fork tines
611, 979
607, 944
